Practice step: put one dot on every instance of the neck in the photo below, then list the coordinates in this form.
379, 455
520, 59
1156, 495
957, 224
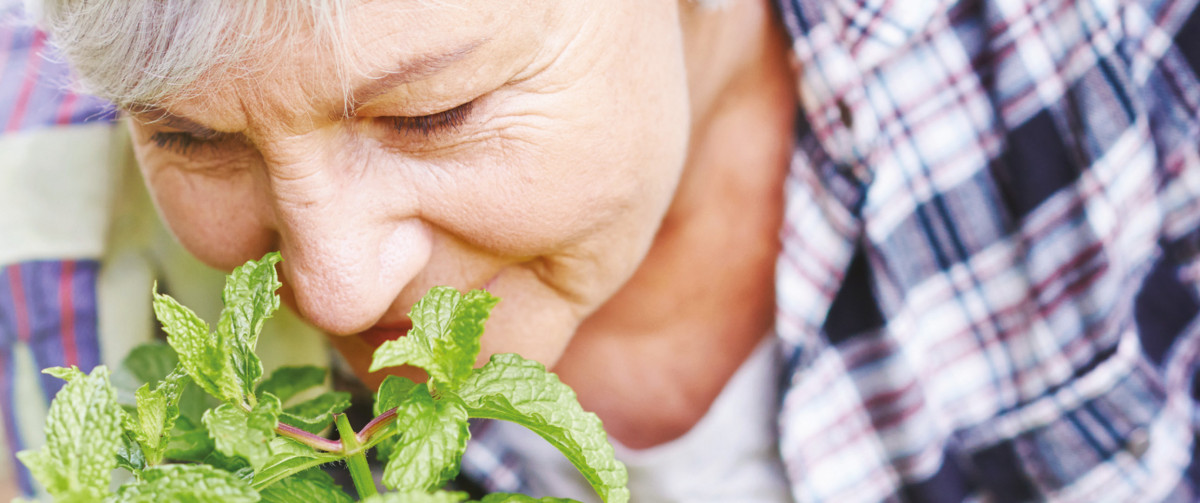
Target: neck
651, 361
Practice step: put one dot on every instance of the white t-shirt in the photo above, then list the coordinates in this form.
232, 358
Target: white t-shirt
730, 455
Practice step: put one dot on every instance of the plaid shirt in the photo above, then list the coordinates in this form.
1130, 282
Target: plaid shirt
991, 252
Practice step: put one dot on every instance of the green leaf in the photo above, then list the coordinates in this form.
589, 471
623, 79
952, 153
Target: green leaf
432, 437
316, 414
289, 457
250, 300
129, 454
445, 336
187, 483
194, 402
157, 412
383, 451
189, 441
286, 382
393, 391
309, 485
152, 363
521, 498
205, 356
46, 470
64, 373
236, 465
418, 497
83, 435
146, 363
245, 434
522, 391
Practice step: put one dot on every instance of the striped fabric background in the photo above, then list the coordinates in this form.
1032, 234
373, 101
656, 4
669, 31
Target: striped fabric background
48, 314
33, 85
47, 311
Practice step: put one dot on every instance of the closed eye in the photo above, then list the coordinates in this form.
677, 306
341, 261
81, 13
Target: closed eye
424, 125
429, 125
185, 143
182, 143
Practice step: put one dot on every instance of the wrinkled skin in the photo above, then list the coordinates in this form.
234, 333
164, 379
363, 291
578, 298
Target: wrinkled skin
555, 140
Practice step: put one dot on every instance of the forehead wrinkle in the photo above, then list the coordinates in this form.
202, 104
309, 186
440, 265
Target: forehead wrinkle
407, 72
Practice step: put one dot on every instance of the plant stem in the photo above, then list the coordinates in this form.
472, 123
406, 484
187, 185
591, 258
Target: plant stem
370, 435
377, 425
316, 442
356, 458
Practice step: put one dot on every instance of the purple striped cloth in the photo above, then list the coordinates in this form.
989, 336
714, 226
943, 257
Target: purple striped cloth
47, 306
50, 308
34, 89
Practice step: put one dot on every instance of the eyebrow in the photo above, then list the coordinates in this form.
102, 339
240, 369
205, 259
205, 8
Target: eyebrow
407, 72
150, 114
404, 73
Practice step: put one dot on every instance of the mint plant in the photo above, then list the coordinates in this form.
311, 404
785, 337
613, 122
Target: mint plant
211, 429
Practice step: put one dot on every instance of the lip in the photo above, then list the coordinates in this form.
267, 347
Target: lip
383, 332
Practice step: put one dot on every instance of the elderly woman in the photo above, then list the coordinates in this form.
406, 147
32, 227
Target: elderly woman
815, 250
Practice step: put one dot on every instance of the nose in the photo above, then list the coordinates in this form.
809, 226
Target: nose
349, 244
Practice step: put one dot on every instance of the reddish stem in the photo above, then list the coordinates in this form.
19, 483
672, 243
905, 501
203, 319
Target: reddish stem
377, 424
335, 446
306, 438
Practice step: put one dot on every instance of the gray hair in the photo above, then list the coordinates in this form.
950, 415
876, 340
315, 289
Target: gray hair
142, 51
135, 52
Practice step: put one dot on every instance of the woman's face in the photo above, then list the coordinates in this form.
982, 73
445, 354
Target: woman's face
527, 147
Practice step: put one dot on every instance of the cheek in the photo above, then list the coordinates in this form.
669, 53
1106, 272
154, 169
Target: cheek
216, 218
538, 195
602, 154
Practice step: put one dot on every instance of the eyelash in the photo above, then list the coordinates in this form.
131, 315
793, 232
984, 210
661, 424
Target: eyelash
429, 125
424, 125
182, 143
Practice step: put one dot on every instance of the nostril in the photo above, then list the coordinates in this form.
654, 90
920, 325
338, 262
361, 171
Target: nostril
338, 320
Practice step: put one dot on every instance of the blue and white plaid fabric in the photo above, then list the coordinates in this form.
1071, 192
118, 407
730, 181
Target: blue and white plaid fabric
991, 261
